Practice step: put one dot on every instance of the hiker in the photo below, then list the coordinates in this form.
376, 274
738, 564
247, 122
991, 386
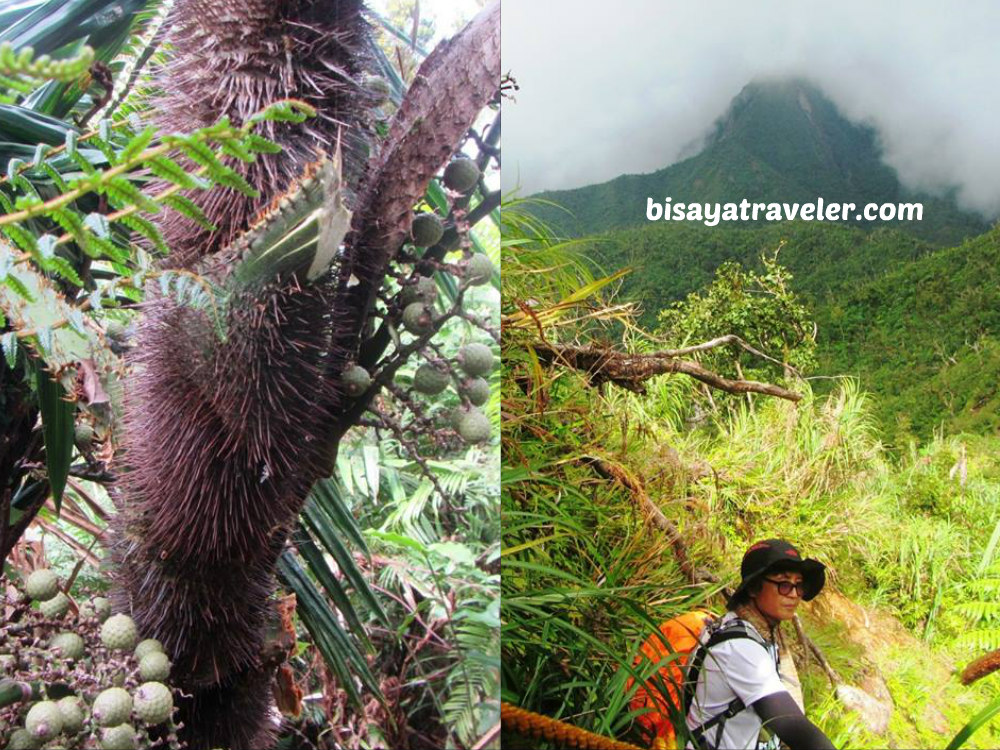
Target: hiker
736, 686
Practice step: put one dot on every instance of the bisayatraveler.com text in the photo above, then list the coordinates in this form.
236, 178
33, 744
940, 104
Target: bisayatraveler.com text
713, 213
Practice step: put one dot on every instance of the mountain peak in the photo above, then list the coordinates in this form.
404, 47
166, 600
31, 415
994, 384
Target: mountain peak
795, 96
781, 141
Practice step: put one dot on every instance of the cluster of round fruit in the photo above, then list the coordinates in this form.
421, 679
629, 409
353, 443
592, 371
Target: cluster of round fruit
103, 687
475, 361
417, 302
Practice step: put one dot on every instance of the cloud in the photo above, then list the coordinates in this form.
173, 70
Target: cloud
609, 90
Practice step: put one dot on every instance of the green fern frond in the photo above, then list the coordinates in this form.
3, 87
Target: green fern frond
22, 63
42, 318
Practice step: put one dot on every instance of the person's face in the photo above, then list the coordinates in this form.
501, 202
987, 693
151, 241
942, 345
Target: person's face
772, 603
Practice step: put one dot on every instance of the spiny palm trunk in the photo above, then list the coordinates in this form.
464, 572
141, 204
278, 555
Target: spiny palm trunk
221, 437
233, 58
224, 436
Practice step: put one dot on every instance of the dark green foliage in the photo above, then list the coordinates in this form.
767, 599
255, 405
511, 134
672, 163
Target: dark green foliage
669, 261
57, 424
926, 337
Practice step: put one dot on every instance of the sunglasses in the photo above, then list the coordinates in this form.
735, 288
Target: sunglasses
785, 587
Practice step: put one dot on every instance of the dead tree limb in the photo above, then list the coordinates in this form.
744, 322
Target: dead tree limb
812, 648
634, 485
630, 371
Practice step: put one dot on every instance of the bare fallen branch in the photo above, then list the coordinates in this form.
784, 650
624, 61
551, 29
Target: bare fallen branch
812, 648
634, 485
630, 371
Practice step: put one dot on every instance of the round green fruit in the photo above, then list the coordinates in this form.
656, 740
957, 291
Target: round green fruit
473, 426
21, 739
119, 633
426, 230
476, 359
154, 666
121, 737
56, 607
356, 380
74, 712
83, 436
112, 707
461, 175
430, 379
69, 645
477, 390
153, 703
417, 318
148, 646
479, 270
424, 290
42, 585
102, 607
44, 721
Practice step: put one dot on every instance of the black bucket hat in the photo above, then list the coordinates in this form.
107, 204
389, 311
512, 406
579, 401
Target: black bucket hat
765, 556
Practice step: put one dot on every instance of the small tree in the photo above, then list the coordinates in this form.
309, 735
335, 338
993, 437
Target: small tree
758, 308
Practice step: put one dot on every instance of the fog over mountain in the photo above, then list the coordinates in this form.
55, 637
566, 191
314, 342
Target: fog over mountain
634, 88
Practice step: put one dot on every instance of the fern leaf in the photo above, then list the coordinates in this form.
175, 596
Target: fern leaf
147, 229
137, 144
261, 145
32, 304
167, 169
188, 208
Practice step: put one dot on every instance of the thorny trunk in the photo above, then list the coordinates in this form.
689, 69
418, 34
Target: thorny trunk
224, 437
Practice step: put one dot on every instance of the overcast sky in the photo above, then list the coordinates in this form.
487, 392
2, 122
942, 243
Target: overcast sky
616, 88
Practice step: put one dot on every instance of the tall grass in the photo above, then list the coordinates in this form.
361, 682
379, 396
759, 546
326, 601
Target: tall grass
585, 579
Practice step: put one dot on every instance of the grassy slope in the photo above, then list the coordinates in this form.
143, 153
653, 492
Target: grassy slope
919, 326
899, 537
583, 576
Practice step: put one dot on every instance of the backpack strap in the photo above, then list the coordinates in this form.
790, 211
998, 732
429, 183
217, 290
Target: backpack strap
732, 630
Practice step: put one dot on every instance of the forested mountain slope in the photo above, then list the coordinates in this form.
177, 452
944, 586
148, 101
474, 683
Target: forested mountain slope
925, 338
780, 141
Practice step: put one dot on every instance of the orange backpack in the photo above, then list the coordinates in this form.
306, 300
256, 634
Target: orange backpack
678, 653
672, 645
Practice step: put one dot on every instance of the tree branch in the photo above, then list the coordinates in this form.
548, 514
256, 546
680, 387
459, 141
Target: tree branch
721, 341
619, 474
814, 650
979, 668
630, 371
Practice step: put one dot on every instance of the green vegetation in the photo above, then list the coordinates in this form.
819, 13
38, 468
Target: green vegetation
917, 325
908, 533
669, 261
779, 142
924, 337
